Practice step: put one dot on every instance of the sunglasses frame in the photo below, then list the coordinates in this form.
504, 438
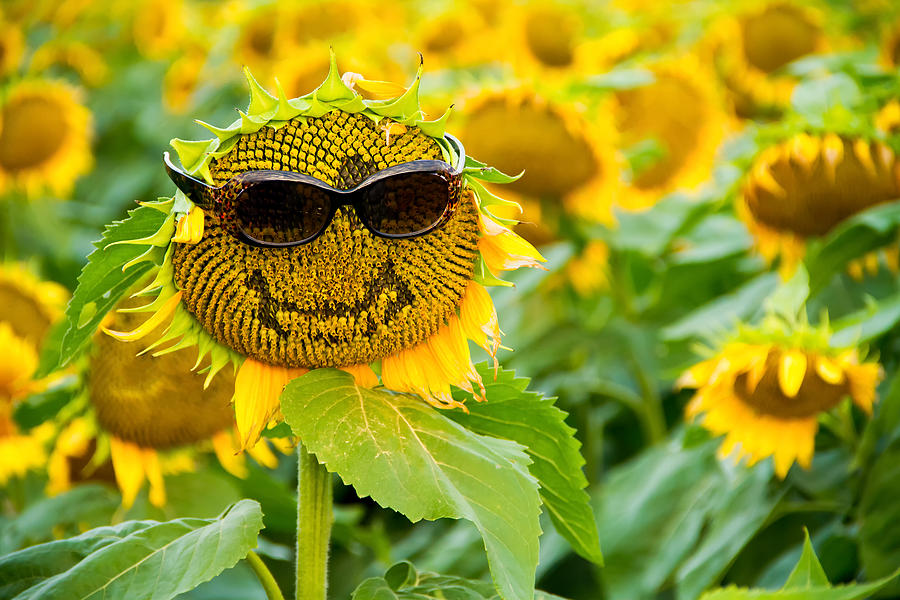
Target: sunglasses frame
222, 201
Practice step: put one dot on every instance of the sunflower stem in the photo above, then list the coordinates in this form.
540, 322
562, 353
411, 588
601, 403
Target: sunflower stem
265, 576
314, 518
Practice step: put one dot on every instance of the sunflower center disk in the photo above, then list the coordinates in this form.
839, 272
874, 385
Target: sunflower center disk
346, 298
816, 199
155, 402
777, 36
666, 112
31, 131
815, 395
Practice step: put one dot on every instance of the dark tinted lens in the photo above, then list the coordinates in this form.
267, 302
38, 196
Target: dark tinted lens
405, 204
280, 212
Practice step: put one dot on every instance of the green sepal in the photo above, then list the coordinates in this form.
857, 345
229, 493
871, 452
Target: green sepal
482, 171
161, 238
261, 101
182, 205
151, 253
251, 123
406, 106
288, 109
484, 276
436, 128
221, 133
192, 152
486, 198
333, 88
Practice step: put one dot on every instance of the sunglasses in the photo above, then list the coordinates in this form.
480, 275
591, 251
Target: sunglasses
279, 209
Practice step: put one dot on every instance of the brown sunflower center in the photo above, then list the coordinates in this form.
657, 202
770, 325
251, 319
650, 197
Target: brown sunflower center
778, 35
346, 298
535, 138
32, 130
816, 199
550, 35
815, 395
155, 402
24, 313
666, 111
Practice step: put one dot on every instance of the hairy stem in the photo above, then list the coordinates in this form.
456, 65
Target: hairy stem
314, 518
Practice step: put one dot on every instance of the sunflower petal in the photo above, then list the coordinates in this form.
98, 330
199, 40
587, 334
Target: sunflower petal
791, 371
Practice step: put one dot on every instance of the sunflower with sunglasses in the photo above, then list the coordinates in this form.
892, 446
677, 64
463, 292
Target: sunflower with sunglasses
331, 231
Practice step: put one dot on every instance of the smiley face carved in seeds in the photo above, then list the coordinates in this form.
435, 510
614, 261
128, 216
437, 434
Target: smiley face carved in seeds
332, 230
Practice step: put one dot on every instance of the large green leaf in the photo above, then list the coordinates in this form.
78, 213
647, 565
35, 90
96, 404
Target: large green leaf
879, 515
408, 456
651, 512
514, 413
806, 582
136, 560
744, 504
871, 322
102, 283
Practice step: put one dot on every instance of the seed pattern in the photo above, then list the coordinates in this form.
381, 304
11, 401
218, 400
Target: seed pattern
346, 298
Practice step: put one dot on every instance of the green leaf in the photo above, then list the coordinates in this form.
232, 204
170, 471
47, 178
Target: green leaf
651, 511
789, 298
862, 326
85, 503
721, 313
809, 572
818, 99
135, 559
866, 231
744, 504
879, 514
525, 417
408, 456
102, 283
403, 582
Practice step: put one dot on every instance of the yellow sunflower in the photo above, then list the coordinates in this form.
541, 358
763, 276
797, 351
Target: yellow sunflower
567, 155
147, 415
347, 299
45, 137
680, 119
749, 49
764, 391
28, 308
805, 186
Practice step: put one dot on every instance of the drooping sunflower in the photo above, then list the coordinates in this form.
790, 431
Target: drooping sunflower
680, 120
28, 308
765, 388
45, 137
803, 187
348, 298
146, 414
158, 27
750, 48
568, 156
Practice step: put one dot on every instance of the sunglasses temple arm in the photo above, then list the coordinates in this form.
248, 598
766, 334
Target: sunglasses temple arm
192, 188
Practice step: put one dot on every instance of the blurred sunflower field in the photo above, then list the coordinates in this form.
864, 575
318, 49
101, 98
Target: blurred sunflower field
575, 299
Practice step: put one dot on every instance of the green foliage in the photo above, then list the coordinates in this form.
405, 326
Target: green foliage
514, 413
403, 582
806, 582
103, 282
135, 559
383, 444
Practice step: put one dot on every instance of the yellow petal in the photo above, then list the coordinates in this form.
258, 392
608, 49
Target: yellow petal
863, 153
128, 465
479, 318
763, 178
791, 371
829, 370
363, 375
832, 153
154, 475
262, 454
507, 251
863, 380
228, 454
150, 324
805, 150
257, 390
